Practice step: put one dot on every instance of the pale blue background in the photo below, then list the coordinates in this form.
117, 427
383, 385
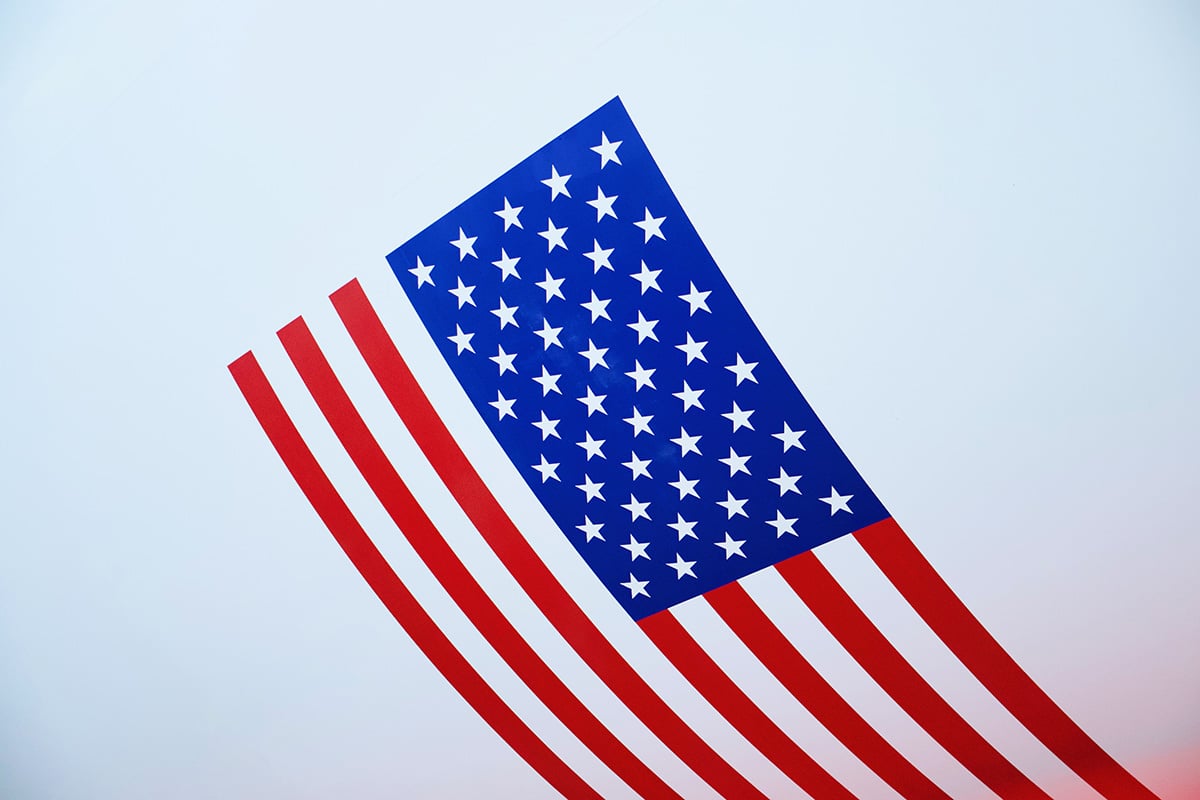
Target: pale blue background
970, 232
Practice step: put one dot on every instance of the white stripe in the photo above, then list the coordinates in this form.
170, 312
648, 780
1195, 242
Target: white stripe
896, 619
866, 584
437, 603
857, 688
564, 562
757, 682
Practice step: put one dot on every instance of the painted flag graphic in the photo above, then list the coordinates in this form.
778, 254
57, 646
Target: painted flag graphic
676, 461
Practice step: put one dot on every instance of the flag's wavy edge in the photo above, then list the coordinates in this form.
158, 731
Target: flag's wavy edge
804, 573
392, 592
884, 543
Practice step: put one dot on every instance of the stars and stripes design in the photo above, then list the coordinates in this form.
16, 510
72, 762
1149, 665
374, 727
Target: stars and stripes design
614, 366
595, 334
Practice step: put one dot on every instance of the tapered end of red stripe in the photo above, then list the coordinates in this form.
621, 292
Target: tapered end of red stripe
351, 286
240, 363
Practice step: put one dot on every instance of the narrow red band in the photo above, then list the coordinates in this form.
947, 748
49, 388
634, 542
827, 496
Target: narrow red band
731, 702
388, 587
915, 578
498, 530
793, 670
830, 603
451, 573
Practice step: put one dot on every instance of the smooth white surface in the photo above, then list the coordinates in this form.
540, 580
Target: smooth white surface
970, 233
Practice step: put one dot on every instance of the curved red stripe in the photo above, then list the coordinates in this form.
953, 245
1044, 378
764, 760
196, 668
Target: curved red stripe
883, 662
451, 573
900, 560
732, 703
490, 519
388, 587
793, 670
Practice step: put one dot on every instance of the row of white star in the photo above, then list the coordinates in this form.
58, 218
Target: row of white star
595, 355
651, 229
640, 468
600, 256
686, 442
696, 299
687, 529
738, 417
734, 506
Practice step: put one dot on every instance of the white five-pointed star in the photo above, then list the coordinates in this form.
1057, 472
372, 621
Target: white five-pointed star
508, 266
648, 278
739, 418
549, 381
547, 469
591, 489
591, 529
552, 286
692, 349
507, 315
594, 402
690, 397
463, 293
599, 257
636, 508
790, 438
785, 482
607, 150
641, 376
557, 183
640, 422
743, 370
651, 226
782, 524
733, 505
635, 586
503, 360
422, 271
592, 446
687, 444
553, 236
594, 355
549, 334
465, 245
682, 567
598, 307
548, 427
837, 502
735, 463
644, 328
638, 467
503, 405
636, 549
510, 215
697, 300
684, 528
603, 205
685, 486
731, 546
461, 340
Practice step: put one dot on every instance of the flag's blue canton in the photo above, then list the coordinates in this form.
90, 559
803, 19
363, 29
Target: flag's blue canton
597, 337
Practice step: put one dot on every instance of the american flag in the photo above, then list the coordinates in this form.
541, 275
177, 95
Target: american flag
596, 338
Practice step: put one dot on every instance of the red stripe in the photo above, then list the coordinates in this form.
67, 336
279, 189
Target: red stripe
793, 670
896, 555
875, 654
454, 577
514, 551
727, 697
387, 586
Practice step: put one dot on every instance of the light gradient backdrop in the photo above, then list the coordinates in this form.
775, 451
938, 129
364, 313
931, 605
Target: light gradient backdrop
971, 233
